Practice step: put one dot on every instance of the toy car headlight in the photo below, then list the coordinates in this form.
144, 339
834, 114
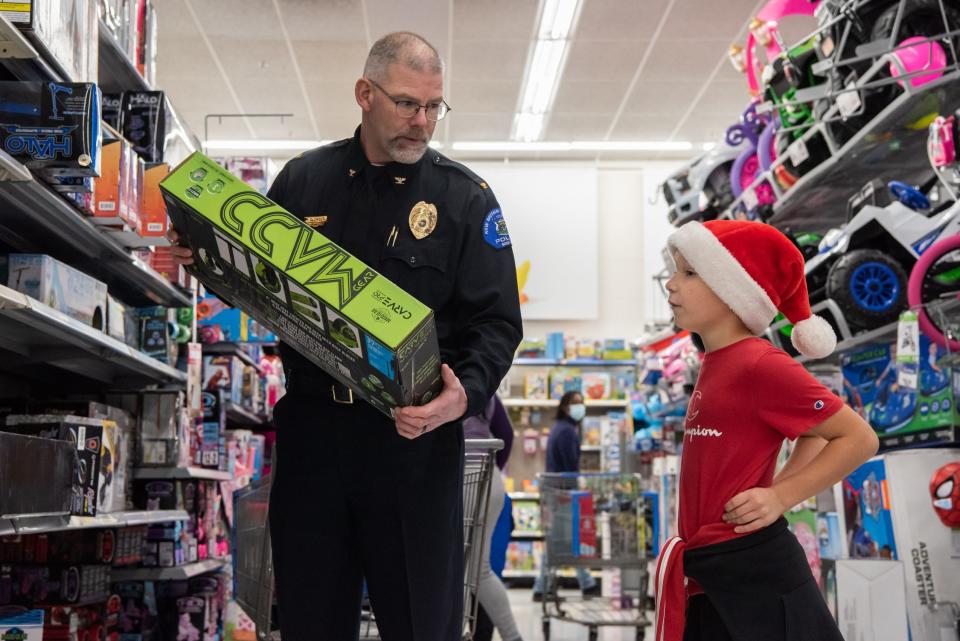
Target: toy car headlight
835, 238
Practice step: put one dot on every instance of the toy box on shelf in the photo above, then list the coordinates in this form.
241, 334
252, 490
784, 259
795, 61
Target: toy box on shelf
67, 29
23, 626
906, 506
96, 442
60, 286
908, 404
218, 322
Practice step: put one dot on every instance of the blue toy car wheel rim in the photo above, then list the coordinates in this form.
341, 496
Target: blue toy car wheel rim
874, 286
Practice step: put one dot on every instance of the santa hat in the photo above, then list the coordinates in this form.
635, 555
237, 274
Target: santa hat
755, 270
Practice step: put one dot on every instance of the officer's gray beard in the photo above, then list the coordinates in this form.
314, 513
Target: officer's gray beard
406, 155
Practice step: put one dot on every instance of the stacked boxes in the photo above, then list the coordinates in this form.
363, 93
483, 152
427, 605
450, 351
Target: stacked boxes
60, 286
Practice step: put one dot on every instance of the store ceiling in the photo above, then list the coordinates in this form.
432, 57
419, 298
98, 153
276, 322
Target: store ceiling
637, 69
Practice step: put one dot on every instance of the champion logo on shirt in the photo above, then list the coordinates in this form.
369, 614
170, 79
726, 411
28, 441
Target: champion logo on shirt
698, 431
693, 408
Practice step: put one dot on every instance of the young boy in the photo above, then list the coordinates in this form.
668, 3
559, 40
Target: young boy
736, 572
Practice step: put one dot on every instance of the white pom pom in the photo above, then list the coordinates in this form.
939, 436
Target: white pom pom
814, 337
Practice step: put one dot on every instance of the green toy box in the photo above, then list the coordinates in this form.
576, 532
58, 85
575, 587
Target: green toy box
362, 329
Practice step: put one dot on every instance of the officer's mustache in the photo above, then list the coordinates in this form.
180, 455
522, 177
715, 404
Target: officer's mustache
416, 134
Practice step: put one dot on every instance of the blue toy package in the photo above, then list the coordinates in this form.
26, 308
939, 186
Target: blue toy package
218, 322
555, 345
908, 404
866, 504
52, 127
829, 536
21, 626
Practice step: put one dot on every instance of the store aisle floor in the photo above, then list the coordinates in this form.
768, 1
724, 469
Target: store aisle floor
528, 616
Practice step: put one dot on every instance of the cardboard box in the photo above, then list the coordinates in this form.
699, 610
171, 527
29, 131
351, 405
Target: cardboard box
866, 501
152, 221
359, 327
584, 525
871, 600
22, 626
924, 488
109, 207
926, 414
213, 426
145, 116
160, 420
41, 469
226, 373
95, 441
111, 104
51, 127
67, 29
60, 286
217, 322
116, 321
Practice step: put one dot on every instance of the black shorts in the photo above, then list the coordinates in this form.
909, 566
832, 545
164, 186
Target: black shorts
757, 588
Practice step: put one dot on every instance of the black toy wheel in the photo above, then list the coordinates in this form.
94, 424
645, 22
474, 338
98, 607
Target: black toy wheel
870, 287
546, 630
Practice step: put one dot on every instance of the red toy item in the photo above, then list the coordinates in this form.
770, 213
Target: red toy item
945, 493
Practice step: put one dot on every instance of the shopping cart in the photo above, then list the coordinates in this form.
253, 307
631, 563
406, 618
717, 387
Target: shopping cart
254, 567
597, 521
252, 558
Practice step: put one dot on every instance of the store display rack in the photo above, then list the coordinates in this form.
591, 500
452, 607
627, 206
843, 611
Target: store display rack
547, 402
240, 416
38, 524
35, 336
892, 146
181, 473
25, 59
179, 573
573, 362
230, 349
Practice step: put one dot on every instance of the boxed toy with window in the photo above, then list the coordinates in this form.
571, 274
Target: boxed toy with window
597, 386
359, 327
212, 437
218, 322
41, 469
51, 127
95, 441
60, 286
161, 428
144, 118
907, 404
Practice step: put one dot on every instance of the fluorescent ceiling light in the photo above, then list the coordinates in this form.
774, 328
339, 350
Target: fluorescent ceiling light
624, 145
266, 145
545, 66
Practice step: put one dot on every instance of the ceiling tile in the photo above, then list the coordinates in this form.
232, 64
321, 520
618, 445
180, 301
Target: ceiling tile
254, 59
487, 96
566, 127
494, 19
252, 19
643, 127
684, 59
468, 126
619, 19
693, 19
331, 61
604, 59
581, 96
489, 59
327, 21
660, 97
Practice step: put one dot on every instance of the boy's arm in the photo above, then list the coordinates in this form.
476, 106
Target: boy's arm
850, 442
807, 448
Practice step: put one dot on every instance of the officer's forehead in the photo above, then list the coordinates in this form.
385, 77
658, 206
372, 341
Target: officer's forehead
405, 79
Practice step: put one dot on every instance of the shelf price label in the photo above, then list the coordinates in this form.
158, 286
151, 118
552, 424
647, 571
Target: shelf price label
798, 152
849, 102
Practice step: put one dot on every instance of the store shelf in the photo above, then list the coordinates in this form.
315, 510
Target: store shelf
40, 524
34, 336
524, 496
240, 416
947, 435
37, 220
892, 146
527, 535
573, 362
27, 60
546, 402
229, 349
179, 573
180, 473
520, 574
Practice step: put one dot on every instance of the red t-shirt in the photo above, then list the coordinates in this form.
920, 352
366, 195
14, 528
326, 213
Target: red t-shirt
749, 397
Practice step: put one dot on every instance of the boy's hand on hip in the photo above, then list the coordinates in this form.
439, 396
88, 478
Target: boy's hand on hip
754, 509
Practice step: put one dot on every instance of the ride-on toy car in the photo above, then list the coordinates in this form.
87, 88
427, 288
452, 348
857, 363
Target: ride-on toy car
700, 190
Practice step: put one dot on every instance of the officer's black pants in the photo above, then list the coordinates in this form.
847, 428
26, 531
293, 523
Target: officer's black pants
354, 499
758, 588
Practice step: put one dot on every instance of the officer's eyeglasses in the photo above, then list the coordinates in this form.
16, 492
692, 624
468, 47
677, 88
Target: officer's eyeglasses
408, 108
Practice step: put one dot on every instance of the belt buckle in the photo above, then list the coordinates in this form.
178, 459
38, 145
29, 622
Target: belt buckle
349, 399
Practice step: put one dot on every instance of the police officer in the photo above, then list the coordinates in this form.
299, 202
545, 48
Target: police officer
357, 495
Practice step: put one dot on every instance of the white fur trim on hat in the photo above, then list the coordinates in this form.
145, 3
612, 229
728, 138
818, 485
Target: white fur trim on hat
814, 337
724, 274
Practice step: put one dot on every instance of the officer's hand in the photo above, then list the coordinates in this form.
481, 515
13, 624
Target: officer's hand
754, 509
450, 405
181, 255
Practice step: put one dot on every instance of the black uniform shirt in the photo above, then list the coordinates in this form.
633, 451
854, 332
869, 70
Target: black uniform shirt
463, 270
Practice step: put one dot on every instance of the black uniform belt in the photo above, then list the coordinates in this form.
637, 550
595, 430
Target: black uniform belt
323, 384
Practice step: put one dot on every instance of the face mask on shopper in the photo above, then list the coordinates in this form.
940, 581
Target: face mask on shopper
577, 412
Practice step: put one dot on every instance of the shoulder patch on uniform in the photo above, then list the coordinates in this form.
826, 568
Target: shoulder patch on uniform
495, 231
